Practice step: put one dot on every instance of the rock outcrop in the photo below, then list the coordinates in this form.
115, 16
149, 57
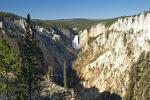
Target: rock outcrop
110, 54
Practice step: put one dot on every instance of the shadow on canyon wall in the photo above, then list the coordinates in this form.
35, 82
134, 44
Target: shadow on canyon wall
57, 52
83, 93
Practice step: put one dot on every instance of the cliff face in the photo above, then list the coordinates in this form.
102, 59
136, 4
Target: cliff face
109, 57
55, 45
113, 58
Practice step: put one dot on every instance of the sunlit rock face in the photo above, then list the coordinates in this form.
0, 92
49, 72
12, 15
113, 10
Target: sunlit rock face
107, 61
21, 23
97, 30
1, 25
93, 32
83, 38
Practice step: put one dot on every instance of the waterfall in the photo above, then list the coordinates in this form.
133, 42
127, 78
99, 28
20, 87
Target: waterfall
75, 42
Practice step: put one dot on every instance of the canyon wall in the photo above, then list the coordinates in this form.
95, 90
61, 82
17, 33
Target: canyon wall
116, 58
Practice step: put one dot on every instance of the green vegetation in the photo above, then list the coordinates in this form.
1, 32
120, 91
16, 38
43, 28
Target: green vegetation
9, 15
20, 73
80, 24
139, 87
30, 61
65, 74
9, 71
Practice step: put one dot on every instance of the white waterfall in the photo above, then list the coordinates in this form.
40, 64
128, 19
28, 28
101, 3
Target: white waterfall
75, 42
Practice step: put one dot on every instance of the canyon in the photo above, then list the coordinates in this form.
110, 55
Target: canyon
104, 62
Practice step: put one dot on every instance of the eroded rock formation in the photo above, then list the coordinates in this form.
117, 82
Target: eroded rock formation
111, 54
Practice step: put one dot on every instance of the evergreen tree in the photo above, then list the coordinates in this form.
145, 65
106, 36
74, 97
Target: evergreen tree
28, 51
9, 71
65, 75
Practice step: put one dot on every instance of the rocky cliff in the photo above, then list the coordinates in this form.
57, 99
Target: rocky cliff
55, 45
116, 58
112, 59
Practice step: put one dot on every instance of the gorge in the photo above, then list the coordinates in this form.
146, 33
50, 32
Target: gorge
109, 61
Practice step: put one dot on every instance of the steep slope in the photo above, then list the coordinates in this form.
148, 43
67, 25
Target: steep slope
112, 57
55, 45
115, 58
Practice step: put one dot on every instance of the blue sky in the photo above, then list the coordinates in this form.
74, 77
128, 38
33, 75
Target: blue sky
61, 9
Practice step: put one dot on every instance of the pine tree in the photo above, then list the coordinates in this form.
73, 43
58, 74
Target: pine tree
9, 70
65, 75
28, 51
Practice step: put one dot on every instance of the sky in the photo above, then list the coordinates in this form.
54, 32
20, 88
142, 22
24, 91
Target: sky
64, 9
